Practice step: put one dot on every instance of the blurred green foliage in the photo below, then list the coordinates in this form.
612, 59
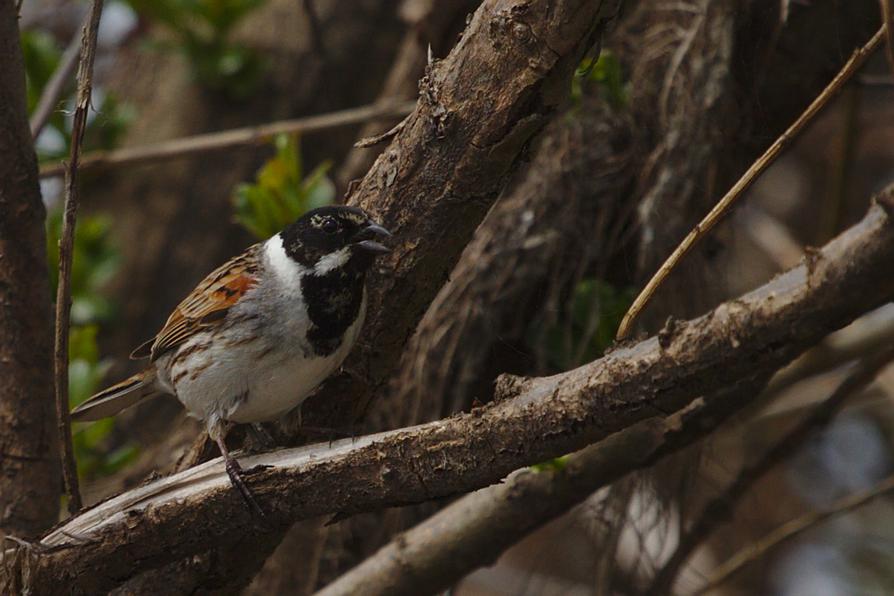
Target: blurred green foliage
595, 311
588, 329
95, 261
108, 120
281, 192
202, 31
606, 74
95, 258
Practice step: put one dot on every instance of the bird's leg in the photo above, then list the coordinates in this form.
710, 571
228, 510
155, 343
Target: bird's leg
234, 470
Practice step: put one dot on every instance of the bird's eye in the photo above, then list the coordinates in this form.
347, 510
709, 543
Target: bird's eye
329, 225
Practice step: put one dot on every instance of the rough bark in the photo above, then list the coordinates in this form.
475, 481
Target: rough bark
29, 464
561, 220
533, 420
431, 26
433, 184
474, 531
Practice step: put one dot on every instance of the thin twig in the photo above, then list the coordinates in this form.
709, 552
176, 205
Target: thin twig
66, 246
250, 135
723, 206
56, 85
719, 509
888, 25
790, 530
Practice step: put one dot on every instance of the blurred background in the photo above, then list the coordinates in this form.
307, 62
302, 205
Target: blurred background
682, 98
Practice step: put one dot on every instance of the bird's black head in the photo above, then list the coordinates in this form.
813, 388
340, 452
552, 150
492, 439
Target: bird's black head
334, 236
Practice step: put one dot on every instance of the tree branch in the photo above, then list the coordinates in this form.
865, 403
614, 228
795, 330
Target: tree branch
531, 421
476, 529
215, 141
432, 186
66, 248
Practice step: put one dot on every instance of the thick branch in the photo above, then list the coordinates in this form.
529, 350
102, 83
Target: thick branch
475, 530
533, 420
436, 180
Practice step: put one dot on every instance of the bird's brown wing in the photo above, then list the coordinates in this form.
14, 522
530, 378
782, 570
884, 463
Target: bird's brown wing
206, 305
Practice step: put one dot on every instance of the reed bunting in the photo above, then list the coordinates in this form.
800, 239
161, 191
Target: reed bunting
261, 332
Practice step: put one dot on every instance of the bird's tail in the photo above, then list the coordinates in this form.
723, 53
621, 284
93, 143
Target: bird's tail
125, 394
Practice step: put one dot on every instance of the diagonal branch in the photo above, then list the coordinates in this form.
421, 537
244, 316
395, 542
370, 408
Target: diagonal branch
531, 421
66, 248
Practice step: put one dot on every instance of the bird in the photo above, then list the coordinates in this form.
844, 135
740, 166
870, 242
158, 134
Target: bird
258, 334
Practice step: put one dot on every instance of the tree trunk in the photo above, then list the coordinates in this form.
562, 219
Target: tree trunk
29, 463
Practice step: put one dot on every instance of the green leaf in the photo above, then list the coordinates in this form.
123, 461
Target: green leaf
607, 74
588, 326
279, 194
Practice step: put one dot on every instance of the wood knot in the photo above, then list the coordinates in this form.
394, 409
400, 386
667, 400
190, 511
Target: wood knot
668, 332
507, 386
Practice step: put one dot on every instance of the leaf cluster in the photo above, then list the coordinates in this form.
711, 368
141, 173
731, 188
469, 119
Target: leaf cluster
281, 192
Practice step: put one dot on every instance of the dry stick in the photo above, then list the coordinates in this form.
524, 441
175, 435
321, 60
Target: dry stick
718, 511
888, 25
66, 245
249, 135
791, 529
723, 206
56, 85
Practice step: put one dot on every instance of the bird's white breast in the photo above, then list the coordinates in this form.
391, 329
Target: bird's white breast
257, 371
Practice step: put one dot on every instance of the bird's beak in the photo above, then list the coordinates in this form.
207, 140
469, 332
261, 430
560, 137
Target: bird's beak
366, 236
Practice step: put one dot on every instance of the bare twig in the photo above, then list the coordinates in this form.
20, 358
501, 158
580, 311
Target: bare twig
888, 25
66, 246
723, 206
250, 135
719, 509
790, 530
56, 85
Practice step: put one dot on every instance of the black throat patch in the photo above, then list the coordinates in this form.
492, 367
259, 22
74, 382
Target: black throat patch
333, 304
